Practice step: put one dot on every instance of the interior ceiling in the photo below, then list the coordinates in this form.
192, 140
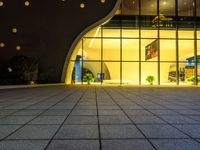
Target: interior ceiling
165, 5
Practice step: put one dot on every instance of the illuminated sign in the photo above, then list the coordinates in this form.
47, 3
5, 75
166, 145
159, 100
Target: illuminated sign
162, 21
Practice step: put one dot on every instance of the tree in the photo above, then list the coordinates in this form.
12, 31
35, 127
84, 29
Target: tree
23, 68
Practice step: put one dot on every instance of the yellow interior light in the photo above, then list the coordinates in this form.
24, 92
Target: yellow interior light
27, 3
18, 47
1, 3
14, 30
2, 45
82, 5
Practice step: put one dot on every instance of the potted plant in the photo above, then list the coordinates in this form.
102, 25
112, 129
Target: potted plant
88, 78
192, 79
150, 79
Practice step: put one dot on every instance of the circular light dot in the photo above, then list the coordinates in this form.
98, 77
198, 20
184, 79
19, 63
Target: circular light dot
1, 3
18, 47
9, 69
82, 5
2, 45
103, 1
27, 3
14, 30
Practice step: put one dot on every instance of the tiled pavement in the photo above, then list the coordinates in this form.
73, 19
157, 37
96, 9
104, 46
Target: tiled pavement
100, 118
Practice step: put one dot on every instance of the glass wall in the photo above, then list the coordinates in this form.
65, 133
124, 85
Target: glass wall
140, 44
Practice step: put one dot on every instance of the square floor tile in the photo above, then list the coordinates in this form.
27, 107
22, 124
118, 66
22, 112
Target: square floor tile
178, 119
119, 131
48, 120
192, 130
27, 112
161, 131
23, 145
35, 132
163, 112
76, 120
74, 145
5, 130
110, 112
16, 119
126, 145
85, 107
138, 112
56, 112
131, 107
175, 144
78, 132
114, 120
62, 107
146, 120
108, 107
84, 112
4, 112
188, 112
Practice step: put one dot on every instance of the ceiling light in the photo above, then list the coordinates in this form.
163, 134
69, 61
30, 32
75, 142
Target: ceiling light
164, 3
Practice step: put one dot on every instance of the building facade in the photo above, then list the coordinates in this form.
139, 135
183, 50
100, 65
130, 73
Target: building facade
126, 42
144, 39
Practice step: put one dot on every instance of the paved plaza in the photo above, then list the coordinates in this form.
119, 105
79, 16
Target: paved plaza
100, 118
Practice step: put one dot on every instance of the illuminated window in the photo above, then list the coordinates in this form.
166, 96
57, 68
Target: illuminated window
148, 7
167, 7
82, 5
198, 60
167, 50
198, 8
130, 7
168, 73
185, 7
129, 49
14, 30
168, 34
186, 34
103, 1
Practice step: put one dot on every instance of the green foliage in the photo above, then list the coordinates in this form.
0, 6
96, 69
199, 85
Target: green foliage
192, 79
23, 68
88, 78
150, 79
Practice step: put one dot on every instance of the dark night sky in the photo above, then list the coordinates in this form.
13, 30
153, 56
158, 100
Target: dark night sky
46, 28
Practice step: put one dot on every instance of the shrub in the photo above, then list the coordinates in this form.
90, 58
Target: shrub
150, 79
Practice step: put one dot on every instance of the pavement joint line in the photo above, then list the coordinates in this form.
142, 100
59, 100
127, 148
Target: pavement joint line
150, 102
131, 120
25, 108
35, 117
111, 124
97, 139
99, 129
170, 124
169, 109
65, 119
